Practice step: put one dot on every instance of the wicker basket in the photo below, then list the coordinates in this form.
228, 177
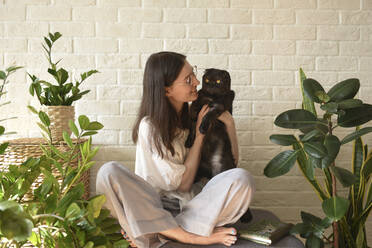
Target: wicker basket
59, 117
20, 149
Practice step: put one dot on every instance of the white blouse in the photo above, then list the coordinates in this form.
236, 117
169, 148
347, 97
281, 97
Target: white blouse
164, 174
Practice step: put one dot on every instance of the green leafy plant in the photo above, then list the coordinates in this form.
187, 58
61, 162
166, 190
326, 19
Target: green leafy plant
13, 220
56, 216
62, 93
4, 75
316, 149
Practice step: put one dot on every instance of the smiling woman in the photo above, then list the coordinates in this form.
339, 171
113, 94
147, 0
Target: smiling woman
166, 169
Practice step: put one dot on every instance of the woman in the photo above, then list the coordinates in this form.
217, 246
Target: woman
166, 169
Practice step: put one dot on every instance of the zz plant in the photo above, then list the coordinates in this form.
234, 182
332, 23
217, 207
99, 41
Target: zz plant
62, 93
316, 149
11, 212
56, 216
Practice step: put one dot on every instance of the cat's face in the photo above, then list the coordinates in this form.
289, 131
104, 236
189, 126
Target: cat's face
216, 82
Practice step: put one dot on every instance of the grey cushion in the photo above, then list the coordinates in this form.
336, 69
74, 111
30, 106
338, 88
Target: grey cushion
258, 214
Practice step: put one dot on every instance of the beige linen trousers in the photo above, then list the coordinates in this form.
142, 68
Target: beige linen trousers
137, 205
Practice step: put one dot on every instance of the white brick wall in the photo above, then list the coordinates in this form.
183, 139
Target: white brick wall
262, 43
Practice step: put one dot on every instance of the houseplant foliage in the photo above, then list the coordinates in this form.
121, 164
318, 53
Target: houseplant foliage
316, 149
11, 213
63, 93
4, 75
56, 216
58, 97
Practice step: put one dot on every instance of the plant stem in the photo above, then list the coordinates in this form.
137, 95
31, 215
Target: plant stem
48, 215
79, 170
334, 194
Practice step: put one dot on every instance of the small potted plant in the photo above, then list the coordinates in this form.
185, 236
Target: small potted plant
58, 98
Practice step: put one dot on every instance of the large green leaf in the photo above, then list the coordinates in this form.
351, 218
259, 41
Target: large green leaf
67, 139
307, 103
2, 130
95, 205
295, 119
281, 164
16, 227
283, 140
74, 194
314, 242
357, 162
73, 128
304, 165
330, 107
355, 116
343, 90
312, 89
332, 144
311, 134
345, 177
315, 149
44, 118
350, 103
2, 75
73, 211
3, 147
83, 122
316, 223
94, 125
335, 207
121, 244
356, 134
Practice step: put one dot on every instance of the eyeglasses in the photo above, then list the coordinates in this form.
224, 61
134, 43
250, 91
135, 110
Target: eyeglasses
193, 73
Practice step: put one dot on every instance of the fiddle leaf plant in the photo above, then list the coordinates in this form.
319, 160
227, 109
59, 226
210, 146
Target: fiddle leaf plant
62, 93
56, 215
316, 149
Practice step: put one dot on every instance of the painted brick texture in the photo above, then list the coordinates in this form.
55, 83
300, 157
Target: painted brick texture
262, 43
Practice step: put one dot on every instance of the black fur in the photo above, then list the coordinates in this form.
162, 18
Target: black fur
216, 155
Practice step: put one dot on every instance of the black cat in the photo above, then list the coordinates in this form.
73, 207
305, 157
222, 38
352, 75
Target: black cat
216, 155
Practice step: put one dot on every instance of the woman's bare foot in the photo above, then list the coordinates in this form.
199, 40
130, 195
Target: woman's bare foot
220, 235
224, 235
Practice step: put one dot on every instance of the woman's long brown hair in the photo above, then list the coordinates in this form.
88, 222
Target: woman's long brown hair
161, 71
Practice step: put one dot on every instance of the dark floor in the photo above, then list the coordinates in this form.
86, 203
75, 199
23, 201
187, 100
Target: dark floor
258, 214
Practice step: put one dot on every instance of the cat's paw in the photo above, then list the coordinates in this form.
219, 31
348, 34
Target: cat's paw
204, 127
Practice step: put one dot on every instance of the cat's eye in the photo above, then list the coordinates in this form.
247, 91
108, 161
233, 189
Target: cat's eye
207, 80
218, 81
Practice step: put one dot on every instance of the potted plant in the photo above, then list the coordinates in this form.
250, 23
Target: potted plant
57, 98
316, 149
56, 216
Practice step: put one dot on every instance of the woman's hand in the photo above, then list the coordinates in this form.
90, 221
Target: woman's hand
204, 110
226, 118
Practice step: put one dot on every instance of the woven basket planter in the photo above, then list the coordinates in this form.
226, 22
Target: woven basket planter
59, 117
20, 149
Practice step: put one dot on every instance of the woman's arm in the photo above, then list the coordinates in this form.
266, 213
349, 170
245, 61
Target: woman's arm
193, 158
229, 122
